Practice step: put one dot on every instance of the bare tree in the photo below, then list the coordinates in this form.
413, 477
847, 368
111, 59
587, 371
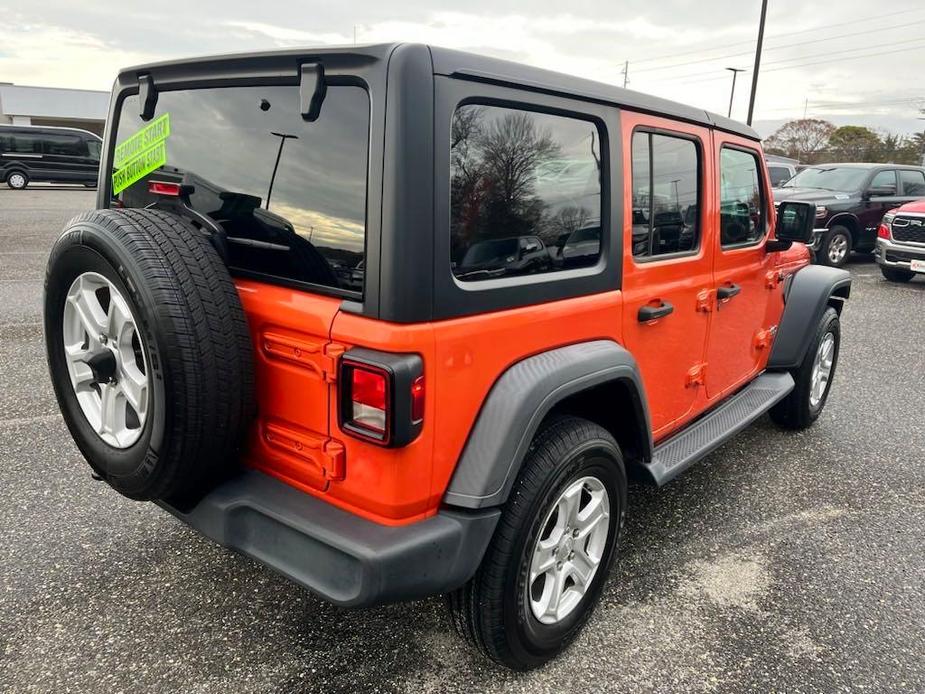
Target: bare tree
803, 139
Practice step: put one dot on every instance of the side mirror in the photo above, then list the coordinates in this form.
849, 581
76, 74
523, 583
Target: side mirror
881, 192
795, 221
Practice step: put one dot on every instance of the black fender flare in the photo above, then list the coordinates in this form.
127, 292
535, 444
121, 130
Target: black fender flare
516, 405
807, 294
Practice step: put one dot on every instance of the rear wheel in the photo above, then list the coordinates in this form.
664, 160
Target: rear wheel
17, 180
835, 247
544, 570
896, 274
813, 378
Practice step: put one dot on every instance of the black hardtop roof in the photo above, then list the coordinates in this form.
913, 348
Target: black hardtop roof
471, 66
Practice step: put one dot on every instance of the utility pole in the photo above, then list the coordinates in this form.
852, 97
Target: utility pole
805, 107
735, 71
751, 101
626, 73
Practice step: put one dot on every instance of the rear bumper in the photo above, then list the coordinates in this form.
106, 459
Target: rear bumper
345, 559
898, 255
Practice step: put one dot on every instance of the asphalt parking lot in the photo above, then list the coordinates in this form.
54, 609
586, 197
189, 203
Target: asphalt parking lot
782, 563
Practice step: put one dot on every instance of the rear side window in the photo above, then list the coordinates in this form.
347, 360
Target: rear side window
289, 194
741, 205
65, 145
20, 143
666, 195
913, 182
525, 193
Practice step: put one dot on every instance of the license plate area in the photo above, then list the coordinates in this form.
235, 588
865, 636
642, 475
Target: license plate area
917, 265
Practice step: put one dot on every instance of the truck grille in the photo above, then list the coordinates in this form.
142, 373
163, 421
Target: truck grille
909, 229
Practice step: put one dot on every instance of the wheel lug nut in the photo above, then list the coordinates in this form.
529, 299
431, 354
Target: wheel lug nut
104, 339
559, 566
571, 555
555, 551
575, 533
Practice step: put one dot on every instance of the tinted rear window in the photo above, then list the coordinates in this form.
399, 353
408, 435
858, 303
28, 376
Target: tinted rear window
523, 185
290, 194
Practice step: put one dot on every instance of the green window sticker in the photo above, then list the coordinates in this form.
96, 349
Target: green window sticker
140, 154
139, 167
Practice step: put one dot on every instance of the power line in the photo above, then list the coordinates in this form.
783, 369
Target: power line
866, 32
779, 36
698, 74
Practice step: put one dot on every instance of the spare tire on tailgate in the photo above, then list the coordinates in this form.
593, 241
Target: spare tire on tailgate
149, 352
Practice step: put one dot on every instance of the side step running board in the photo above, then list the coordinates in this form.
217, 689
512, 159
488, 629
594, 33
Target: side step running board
675, 455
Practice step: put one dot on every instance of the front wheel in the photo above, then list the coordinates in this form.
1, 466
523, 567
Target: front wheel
813, 378
17, 180
835, 247
894, 274
544, 570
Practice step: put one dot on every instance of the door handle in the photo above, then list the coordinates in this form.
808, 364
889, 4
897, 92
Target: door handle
648, 312
727, 291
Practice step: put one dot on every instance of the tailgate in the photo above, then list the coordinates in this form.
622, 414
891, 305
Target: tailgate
295, 367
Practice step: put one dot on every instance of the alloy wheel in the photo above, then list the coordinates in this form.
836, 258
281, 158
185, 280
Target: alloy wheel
568, 550
822, 369
106, 360
838, 249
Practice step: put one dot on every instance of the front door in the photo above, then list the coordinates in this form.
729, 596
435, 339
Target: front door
737, 345
668, 263
882, 195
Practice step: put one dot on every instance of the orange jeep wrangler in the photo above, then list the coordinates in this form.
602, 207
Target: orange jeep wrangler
399, 321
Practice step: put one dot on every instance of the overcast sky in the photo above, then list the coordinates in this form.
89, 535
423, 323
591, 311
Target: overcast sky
853, 63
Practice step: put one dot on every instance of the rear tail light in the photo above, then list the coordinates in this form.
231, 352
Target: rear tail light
381, 396
369, 396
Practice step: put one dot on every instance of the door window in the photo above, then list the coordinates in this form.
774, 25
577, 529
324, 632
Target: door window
65, 145
884, 180
525, 193
913, 182
742, 215
666, 195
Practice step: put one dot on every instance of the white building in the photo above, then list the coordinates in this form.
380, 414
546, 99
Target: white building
75, 108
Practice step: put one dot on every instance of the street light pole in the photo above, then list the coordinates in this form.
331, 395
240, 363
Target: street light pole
735, 71
751, 101
282, 141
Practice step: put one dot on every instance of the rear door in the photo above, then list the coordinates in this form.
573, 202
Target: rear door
66, 157
668, 262
882, 195
742, 287
289, 199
